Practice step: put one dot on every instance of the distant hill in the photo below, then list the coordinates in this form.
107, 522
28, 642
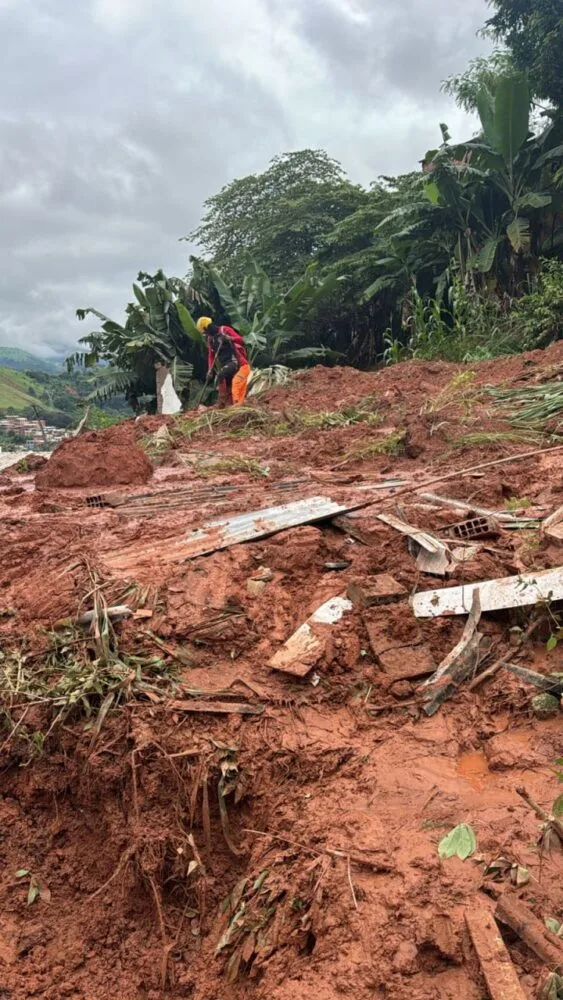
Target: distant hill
19, 391
23, 361
58, 398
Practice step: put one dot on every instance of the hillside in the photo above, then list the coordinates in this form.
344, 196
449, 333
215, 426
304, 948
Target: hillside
14, 357
19, 391
253, 784
58, 398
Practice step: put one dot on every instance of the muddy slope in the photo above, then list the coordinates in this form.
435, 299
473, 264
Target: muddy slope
292, 852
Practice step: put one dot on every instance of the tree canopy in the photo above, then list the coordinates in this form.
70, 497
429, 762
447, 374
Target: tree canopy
278, 217
533, 31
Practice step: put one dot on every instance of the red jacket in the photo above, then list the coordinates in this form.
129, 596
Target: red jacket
238, 343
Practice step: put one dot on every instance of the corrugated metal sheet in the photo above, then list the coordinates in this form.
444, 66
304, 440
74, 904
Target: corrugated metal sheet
227, 531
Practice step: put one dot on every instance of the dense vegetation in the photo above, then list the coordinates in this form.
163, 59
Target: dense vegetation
462, 259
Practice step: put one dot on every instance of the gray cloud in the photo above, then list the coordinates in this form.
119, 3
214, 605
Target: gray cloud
119, 117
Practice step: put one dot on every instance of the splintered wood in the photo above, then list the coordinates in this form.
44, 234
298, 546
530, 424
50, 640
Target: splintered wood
457, 665
498, 970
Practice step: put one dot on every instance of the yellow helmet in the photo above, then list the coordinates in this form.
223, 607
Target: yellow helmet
202, 323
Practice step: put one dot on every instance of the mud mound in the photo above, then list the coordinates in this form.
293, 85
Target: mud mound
26, 463
99, 458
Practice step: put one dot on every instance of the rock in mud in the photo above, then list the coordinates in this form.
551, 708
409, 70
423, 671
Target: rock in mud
401, 690
545, 706
405, 958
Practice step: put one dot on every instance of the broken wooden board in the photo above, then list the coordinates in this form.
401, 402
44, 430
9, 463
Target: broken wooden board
456, 666
305, 647
434, 555
379, 589
554, 531
495, 595
425, 540
498, 970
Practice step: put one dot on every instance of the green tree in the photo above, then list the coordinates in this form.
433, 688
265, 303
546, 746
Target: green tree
533, 31
273, 323
279, 217
484, 71
158, 328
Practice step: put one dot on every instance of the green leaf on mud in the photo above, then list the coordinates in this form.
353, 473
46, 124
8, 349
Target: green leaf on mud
551, 643
260, 880
557, 808
459, 842
33, 893
552, 925
552, 988
22, 872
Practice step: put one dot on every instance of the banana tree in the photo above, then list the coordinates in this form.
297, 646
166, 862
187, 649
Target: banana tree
158, 328
516, 164
270, 321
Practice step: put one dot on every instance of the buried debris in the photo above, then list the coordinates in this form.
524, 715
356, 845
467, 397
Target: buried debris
551, 822
498, 970
347, 527
305, 647
115, 614
503, 660
433, 556
515, 914
457, 665
228, 531
379, 589
399, 662
360, 858
553, 685
545, 706
495, 595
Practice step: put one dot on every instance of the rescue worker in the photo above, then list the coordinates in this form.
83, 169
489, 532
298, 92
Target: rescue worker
226, 347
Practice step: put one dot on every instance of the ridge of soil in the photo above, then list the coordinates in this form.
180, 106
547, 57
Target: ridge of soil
293, 853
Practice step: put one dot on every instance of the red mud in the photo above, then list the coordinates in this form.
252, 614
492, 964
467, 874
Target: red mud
140, 872
97, 458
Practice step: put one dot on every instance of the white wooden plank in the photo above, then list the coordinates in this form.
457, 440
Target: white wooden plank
305, 647
495, 595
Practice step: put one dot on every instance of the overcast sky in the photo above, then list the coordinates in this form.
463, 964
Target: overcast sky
119, 117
